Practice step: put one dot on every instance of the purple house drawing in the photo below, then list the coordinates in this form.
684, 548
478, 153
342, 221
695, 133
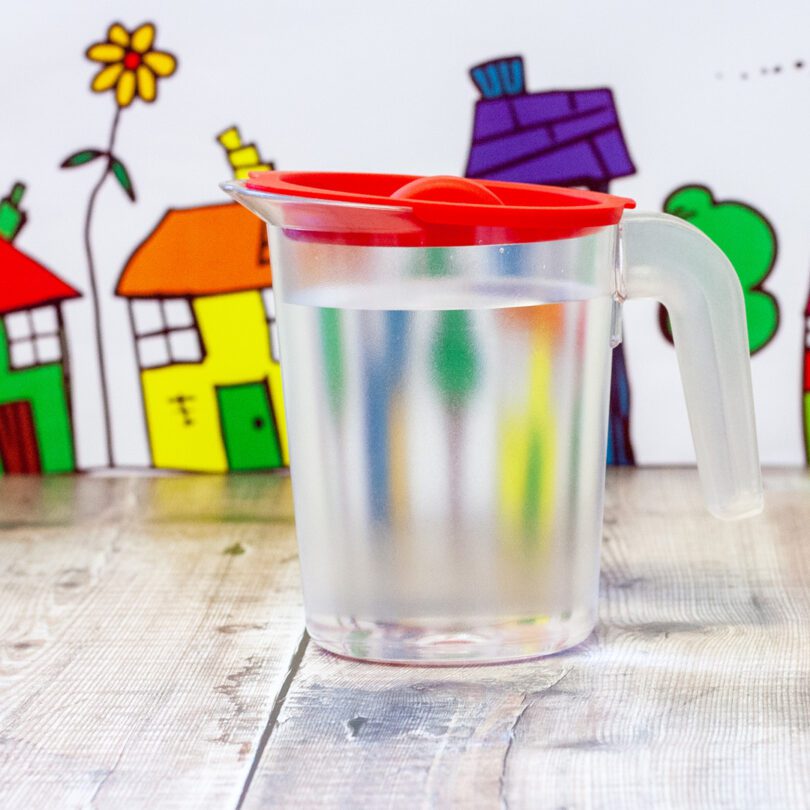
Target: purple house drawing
557, 137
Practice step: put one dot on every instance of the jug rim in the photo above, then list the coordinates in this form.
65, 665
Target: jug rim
440, 211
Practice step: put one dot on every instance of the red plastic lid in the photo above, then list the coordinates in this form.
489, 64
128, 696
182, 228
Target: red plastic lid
394, 209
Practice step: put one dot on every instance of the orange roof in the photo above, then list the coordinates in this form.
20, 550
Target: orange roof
205, 250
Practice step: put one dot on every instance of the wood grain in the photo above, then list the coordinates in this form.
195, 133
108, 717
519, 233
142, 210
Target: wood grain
146, 627
694, 691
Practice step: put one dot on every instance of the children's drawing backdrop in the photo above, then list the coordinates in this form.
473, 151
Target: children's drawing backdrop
137, 323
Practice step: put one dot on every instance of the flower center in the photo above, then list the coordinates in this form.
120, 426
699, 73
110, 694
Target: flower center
132, 60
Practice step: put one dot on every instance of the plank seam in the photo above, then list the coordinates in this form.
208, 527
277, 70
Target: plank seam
295, 664
528, 701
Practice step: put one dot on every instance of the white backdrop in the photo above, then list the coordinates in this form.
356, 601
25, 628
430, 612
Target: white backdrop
382, 86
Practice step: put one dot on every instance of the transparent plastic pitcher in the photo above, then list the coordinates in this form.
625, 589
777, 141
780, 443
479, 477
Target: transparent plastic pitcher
446, 349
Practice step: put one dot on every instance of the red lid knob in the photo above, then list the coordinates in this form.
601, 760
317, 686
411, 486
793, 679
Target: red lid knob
444, 188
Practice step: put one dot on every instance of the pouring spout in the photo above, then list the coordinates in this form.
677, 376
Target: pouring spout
255, 201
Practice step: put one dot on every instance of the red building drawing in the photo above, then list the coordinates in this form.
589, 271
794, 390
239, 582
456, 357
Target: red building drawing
35, 428
806, 386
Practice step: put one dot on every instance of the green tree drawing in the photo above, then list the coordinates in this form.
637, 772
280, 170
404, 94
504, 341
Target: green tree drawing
748, 240
454, 357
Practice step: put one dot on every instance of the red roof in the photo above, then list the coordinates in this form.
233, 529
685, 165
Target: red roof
25, 283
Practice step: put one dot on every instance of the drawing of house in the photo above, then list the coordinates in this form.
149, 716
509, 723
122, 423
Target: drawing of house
202, 312
806, 375
35, 426
558, 137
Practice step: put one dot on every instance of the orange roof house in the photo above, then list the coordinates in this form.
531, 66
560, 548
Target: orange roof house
203, 315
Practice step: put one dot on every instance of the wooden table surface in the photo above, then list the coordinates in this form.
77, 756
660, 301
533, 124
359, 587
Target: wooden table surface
153, 655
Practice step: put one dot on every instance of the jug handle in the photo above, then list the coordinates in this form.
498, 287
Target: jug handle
665, 258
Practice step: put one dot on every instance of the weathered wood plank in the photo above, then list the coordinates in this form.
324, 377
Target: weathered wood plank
694, 692
146, 626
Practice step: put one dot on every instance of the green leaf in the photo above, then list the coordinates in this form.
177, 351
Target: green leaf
80, 158
122, 176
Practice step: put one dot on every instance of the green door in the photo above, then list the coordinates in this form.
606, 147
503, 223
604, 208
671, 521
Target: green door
248, 427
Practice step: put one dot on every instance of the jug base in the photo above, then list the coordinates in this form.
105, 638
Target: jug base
441, 643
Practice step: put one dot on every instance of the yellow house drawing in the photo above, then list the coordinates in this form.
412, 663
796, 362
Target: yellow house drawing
203, 315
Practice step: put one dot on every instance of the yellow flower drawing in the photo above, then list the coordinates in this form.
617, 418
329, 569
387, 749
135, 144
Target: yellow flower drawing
130, 67
130, 64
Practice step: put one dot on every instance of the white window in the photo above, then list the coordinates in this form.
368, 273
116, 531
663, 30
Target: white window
178, 313
22, 354
184, 345
269, 299
147, 317
166, 332
48, 349
18, 325
153, 351
44, 321
34, 337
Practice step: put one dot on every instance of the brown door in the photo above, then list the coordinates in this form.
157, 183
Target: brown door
19, 452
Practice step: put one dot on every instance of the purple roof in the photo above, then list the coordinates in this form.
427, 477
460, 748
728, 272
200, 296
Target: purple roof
568, 137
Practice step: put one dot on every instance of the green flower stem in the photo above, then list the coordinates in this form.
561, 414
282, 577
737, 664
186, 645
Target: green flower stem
94, 296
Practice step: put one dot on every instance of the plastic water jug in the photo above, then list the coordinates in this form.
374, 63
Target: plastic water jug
445, 350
